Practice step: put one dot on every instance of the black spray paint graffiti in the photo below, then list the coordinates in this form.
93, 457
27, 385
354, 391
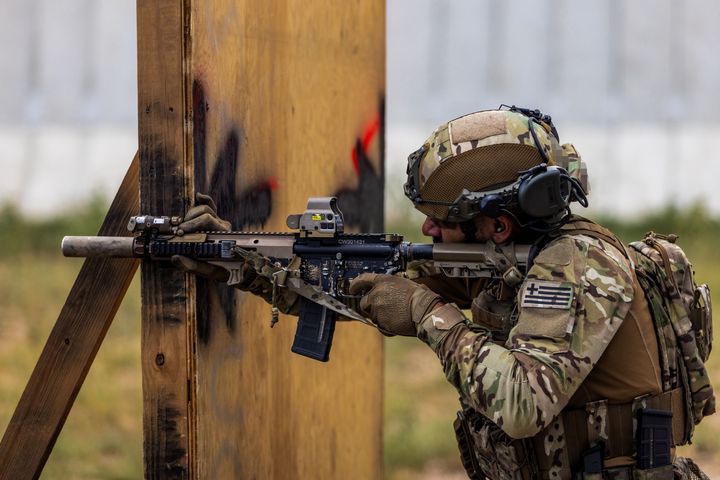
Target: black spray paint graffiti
363, 207
251, 207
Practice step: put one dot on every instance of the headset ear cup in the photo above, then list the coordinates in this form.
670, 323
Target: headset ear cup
492, 205
541, 196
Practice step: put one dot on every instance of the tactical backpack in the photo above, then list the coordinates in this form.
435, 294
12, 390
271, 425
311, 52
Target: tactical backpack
682, 314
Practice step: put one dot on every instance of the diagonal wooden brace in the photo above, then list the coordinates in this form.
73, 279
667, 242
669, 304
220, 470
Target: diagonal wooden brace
70, 350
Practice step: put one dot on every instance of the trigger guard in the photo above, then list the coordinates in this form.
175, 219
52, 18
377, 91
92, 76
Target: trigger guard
236, 277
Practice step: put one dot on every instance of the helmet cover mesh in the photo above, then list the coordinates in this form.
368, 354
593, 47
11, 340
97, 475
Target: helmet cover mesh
478, 169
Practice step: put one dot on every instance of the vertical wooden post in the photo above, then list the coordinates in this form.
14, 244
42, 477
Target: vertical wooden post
260, 104
167, 294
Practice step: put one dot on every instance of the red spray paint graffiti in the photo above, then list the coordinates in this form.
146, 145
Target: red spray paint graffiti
363, 206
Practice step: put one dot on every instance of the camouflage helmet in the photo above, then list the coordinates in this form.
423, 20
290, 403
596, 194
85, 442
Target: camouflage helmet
484, 151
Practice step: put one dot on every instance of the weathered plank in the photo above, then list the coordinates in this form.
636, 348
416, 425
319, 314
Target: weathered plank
167, 294
71, 347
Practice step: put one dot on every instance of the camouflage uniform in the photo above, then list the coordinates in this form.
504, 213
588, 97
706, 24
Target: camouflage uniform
549, 370
524, 384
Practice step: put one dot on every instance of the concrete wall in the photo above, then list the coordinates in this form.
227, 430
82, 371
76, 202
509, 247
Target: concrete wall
69, 100
591, 61
632, 83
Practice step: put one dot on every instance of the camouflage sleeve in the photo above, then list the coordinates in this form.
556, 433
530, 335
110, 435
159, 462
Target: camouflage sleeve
571, 304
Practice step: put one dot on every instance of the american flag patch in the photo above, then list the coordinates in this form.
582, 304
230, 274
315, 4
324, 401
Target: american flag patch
542, 294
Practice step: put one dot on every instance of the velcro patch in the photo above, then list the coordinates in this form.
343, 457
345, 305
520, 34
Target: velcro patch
544, 294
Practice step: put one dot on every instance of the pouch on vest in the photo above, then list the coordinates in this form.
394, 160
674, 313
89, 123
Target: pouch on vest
496, 455
497, 316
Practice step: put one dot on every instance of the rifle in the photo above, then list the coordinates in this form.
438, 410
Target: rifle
316, 261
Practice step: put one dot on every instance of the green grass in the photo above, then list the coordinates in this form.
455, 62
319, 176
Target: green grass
18, 234
102, 438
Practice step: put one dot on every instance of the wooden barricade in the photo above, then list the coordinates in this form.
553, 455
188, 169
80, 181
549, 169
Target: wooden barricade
261, 105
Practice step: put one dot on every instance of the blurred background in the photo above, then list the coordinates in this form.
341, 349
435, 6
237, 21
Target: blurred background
630, 82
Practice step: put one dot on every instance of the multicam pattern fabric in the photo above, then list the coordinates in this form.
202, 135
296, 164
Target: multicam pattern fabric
437, 172
597, 419
570, 160
554, 447
523, 386
629, 473
668, 281
480, 129
687, 469
494, 454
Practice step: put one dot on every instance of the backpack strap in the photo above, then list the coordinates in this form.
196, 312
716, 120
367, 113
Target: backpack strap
651, 239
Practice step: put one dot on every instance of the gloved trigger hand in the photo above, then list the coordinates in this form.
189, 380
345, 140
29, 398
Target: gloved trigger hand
396, 305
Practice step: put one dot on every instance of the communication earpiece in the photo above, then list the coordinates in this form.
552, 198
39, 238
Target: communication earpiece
499, 227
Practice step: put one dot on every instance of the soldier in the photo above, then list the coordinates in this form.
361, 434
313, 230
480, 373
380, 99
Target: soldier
551, 370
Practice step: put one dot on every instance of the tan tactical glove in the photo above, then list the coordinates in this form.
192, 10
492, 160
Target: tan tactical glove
396, 305
203, 217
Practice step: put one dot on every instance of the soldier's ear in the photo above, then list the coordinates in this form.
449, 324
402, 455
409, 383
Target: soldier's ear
503, 229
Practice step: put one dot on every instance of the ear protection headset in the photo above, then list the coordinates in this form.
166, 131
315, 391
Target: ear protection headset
539, 199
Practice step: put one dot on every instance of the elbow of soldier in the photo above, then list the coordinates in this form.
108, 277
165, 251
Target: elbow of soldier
521, 425
521, 428
523, 422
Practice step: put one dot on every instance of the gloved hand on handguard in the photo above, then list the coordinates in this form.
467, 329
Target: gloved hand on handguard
203, 217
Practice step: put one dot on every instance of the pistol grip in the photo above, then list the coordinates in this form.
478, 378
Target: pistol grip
315, 328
